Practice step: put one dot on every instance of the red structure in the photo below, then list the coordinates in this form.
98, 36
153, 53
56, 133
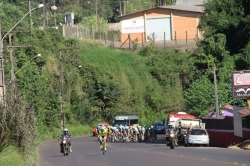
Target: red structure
221, 130
173, 117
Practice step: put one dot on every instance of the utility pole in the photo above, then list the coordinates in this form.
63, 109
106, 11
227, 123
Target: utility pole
96, 13
61, 84
11, 49
30, 16
2, 77
11, 59
131, 7
2, 80
44, 15
124, 7
140, 5
216, 93
61, 91
120, 7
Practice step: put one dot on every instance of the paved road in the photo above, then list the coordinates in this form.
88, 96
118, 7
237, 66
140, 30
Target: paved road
86, 152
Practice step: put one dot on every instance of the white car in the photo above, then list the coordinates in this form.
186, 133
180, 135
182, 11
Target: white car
197, 136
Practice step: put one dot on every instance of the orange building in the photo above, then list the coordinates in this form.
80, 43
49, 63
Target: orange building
175, 22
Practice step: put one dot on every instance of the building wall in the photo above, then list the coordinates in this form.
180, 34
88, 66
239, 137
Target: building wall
183, 24
158, 13
225, 138
221, 131
135, 37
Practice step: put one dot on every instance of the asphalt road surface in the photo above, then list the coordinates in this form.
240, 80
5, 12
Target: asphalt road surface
86, 152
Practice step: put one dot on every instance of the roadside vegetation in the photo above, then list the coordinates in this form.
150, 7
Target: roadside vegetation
100, 82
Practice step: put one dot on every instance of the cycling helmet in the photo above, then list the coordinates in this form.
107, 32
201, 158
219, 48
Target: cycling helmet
103, 127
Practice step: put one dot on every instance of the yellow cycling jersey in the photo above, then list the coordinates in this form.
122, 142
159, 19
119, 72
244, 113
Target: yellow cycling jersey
103, 132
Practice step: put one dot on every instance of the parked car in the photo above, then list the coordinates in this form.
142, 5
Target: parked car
197, 136
159, 128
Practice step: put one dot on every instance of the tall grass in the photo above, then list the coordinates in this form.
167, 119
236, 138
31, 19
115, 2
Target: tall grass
10, 157
126, 69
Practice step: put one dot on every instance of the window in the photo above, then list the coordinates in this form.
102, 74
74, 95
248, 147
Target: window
198, 132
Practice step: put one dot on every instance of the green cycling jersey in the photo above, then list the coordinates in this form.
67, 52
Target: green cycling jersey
103, 132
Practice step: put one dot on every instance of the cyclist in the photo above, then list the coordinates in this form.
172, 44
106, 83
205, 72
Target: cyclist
151, 134
103, 135
143, 132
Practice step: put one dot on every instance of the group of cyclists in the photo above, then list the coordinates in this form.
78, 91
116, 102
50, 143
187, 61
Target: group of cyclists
120, 133
125, 133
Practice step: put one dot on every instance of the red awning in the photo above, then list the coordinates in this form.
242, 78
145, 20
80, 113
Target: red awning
244, 112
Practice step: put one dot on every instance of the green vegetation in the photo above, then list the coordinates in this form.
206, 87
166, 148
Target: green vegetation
99, 82
10, 156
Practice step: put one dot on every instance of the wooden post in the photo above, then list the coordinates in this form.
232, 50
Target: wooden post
129, 40
175, 38
216, 93
105, 37
142, 44
164, 40
186, 37
92, 30
113, 40
154, 38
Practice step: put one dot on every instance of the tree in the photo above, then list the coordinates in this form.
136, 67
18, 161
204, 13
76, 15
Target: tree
227, 17
199, 97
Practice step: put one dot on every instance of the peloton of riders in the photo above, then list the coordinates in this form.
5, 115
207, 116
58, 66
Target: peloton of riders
125, 133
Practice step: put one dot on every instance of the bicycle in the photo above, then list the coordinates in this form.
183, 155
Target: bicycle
102, 146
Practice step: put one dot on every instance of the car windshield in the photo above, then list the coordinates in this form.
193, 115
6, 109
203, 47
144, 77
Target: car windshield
198, 132
158, 124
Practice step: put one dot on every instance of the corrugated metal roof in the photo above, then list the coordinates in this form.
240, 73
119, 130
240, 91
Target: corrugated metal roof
190, 2
126, 117
198, 9
244, 112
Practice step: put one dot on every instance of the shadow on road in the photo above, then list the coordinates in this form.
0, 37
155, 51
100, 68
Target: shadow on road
55, 156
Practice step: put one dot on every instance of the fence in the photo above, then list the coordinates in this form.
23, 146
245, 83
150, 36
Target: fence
83, 33
130, 41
